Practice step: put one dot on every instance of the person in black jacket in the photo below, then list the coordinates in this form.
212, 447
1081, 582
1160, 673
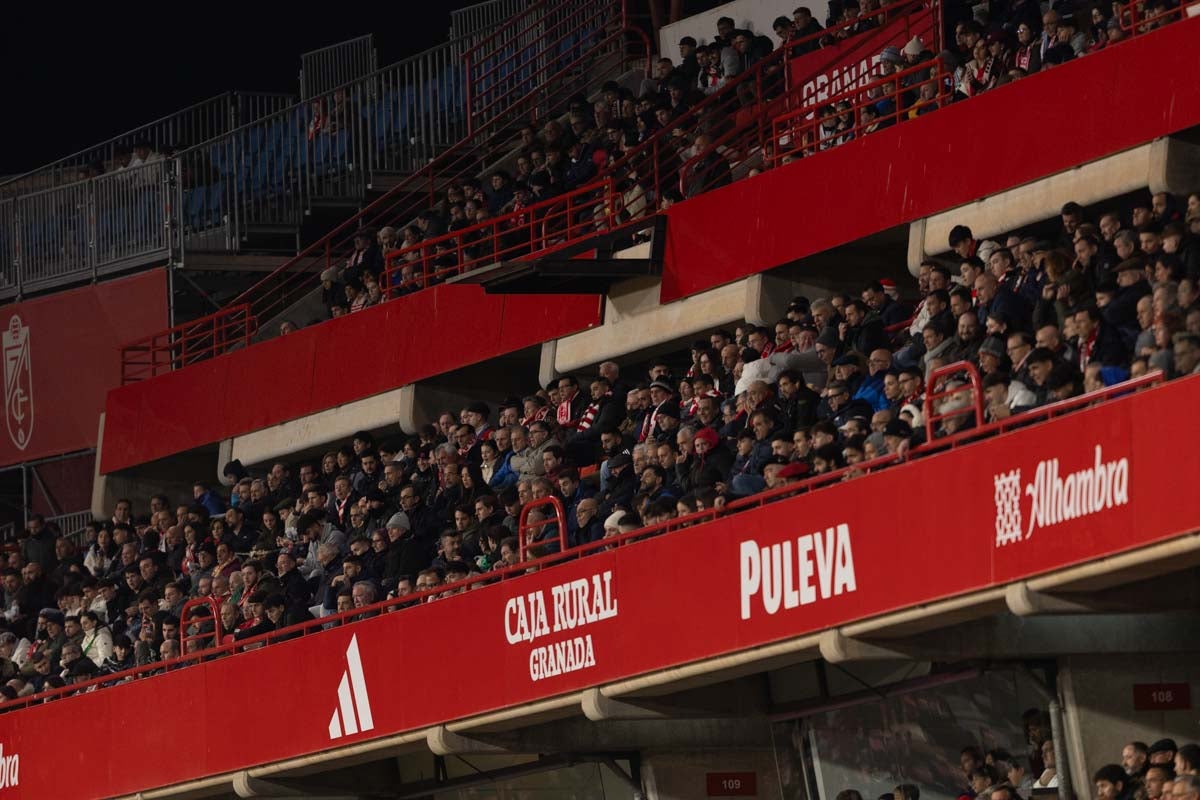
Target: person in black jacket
1121, 311
622, 485
863, 331
1099, 342
292, 585
712, 463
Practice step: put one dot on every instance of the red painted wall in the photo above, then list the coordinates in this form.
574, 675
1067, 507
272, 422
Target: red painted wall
316, 368
69, 483
1052, 121
935, 519
73, 340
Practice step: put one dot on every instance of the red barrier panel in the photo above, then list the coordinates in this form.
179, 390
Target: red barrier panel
60, 359
324, 366
914, 169
979, 516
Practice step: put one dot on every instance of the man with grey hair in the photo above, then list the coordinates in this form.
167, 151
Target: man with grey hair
364, 593
641, 455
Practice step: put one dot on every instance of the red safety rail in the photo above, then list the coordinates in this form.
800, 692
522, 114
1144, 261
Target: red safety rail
957, 401
539, 228
1134, 19
560, 519
908, 93
707, 515
201, 639
188, 343
527, 50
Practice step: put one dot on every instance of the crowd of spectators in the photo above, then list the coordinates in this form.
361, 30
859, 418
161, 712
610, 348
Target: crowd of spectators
838, 381
476, 220
1161, 771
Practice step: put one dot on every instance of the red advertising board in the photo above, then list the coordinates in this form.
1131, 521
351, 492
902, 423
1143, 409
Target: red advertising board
429, 333
61, 358
1024, 503
918, 168
854, 61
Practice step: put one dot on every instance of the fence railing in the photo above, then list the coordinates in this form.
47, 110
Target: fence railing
506, 68
72, 525
535, 227
227, 329
199, 644
329, 67
483, 18
184, 128
267, 175
85, 229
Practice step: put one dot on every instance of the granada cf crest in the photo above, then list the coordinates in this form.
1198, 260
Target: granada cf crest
18, 382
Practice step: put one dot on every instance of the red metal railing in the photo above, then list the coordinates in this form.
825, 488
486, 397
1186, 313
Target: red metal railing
1134, 19
201, 639
770, 496
188, 343
524, 525
942, 403
893, 98
539, 228
740, 110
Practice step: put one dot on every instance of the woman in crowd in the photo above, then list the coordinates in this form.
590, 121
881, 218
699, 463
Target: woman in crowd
97, 641
102, 553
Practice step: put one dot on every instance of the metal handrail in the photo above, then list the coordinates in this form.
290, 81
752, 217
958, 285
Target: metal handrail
356, 56
767, 497
933, 393
186, 621
797, 131
222, 104
563, 28
523, 524
539, 228
188, 342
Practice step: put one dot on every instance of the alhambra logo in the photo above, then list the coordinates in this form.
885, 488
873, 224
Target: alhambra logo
352, 713
10, 768
1055, 498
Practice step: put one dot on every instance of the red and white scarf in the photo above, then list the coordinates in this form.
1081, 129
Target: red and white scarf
589, 414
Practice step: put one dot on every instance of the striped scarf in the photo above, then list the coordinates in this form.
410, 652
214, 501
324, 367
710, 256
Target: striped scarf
589, 414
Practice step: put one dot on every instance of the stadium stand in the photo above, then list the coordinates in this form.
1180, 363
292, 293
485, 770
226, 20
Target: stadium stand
1001, 335
840, 387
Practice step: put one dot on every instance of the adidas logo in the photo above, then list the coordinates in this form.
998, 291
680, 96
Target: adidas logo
352, 714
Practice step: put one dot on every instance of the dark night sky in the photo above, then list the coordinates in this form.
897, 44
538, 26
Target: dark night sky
76, 76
